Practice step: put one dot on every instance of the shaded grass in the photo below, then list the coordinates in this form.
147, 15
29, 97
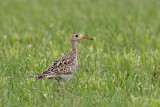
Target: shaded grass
119, 68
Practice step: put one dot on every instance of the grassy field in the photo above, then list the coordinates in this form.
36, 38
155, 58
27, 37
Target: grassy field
121, 67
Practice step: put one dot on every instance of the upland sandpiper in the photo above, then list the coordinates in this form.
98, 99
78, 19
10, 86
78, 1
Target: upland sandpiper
64, 68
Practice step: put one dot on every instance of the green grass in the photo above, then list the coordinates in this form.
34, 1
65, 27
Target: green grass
121, 67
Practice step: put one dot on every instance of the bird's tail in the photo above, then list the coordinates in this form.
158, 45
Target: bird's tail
40, 76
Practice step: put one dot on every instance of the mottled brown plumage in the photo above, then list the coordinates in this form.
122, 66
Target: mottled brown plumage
63, 68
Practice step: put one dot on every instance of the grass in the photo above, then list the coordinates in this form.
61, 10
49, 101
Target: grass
121, 67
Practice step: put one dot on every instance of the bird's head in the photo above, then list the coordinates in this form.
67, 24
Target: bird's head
78, 36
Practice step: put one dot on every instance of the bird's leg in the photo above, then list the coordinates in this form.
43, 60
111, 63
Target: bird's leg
66, 81
58, 86
58, 81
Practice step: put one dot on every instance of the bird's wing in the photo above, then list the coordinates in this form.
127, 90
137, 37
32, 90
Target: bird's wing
57, 67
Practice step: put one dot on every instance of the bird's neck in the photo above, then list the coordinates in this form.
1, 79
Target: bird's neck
74, 47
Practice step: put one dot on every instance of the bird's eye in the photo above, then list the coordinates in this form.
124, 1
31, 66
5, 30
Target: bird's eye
76, 35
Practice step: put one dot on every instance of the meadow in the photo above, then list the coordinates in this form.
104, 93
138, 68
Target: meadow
121, 67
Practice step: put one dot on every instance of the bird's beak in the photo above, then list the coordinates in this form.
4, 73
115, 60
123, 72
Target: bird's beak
87, 38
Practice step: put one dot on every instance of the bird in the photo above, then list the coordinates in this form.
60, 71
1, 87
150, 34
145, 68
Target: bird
63, 69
